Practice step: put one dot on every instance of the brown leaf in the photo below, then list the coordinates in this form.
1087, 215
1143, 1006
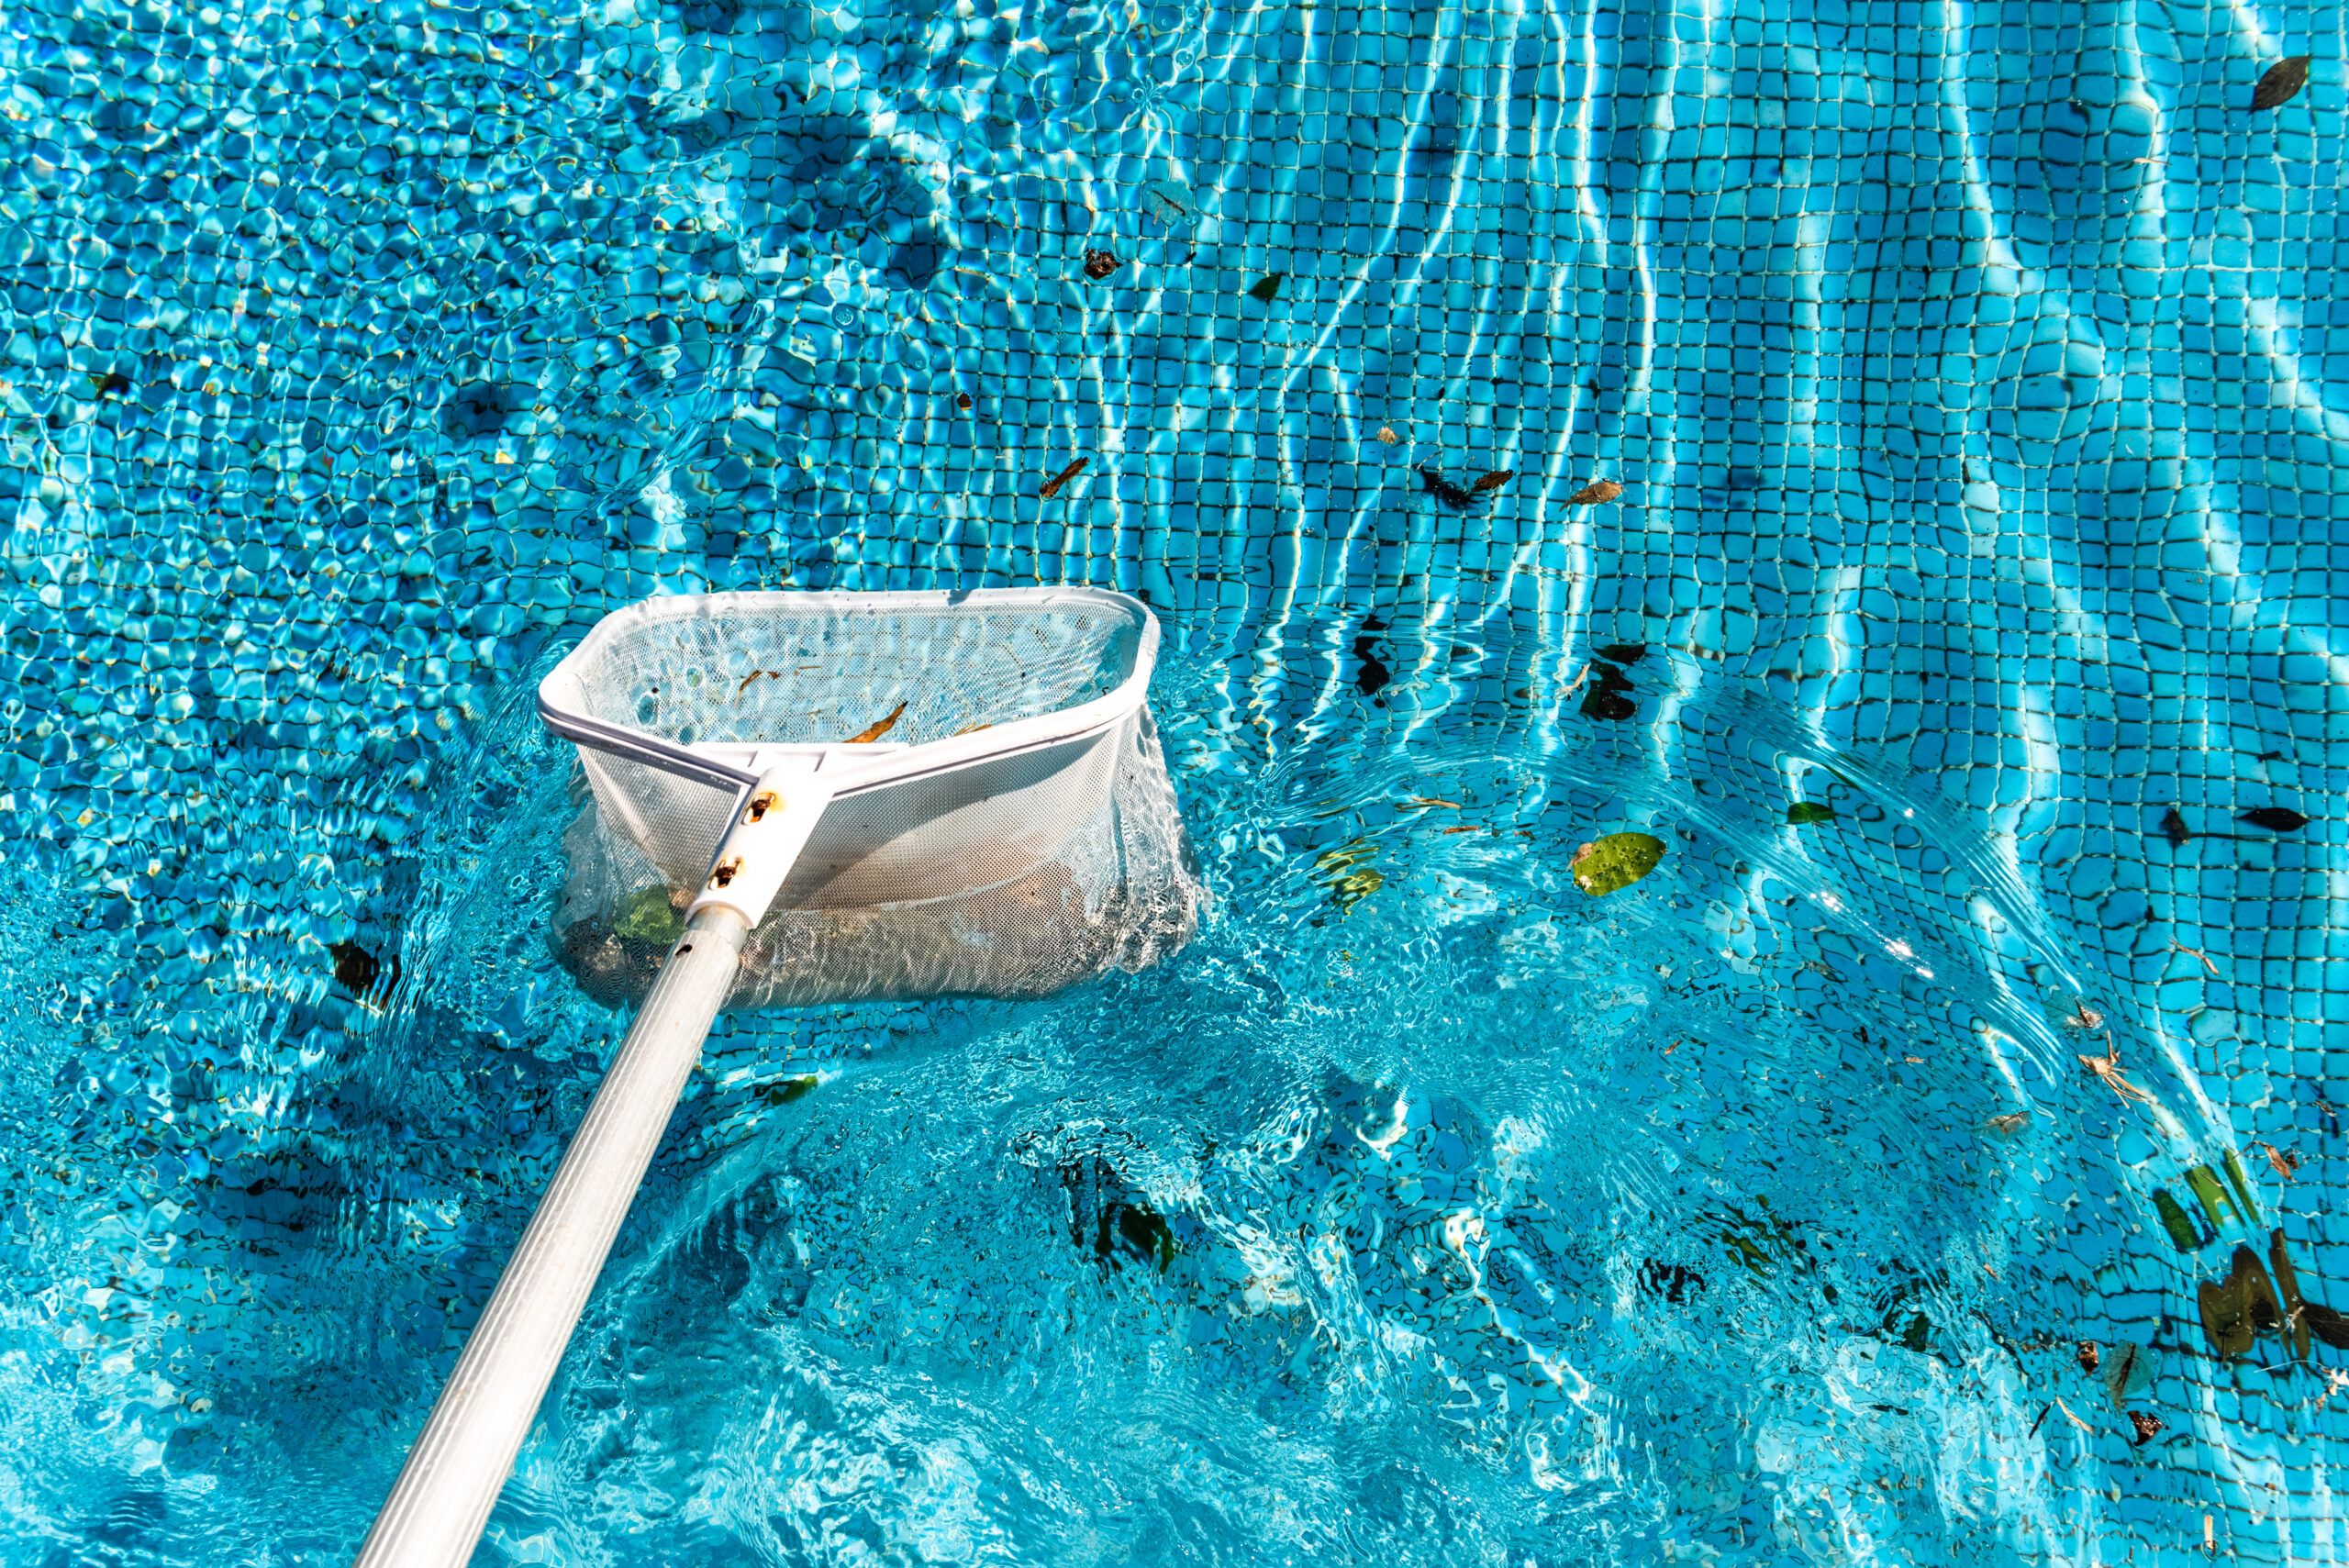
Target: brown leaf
2088, 1356
865, 737
2147, 1425
1387, 434
1099, 264
1052, 485
2283, 1162
963, 401
1492, 480
1596, 491
2281, 83
2239, 1309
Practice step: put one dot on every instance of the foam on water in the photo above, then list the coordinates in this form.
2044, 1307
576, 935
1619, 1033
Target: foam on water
1969, 376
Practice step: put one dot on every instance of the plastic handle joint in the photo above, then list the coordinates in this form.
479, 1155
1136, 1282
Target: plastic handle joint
770, 826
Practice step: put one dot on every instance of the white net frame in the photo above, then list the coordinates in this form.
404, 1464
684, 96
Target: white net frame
1001, 823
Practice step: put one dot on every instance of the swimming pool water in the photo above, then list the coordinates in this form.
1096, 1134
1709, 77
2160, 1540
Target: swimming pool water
1973, 379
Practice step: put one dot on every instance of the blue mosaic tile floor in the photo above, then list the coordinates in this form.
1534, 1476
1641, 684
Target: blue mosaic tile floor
1974, 385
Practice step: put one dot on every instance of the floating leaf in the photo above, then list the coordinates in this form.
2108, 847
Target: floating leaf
2239, 1309
1267, 287
2204, 1184
2183, 1232
1492, 480
2288, 1282
2173, 829
1596, 491
2281, 83
1099, 264
1052, 485
2275, 818
1802, 811
872, 732
2147, 1425
1614, 862
649, 915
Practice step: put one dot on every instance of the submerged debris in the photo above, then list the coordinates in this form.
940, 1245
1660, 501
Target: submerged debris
1614, 862
2204, 1184
2275, 818
2183, 1233
1492, 480
1345, 873
2088, 1356
2107, 1069
1099, 264
1598, 490
1608, 696
1443, 490
1267, 287
112, 381
2241, 1308
2009, 1124
2129, 1372
655, 914
872, 732
2281, 83
356, 970
1386, 433
963, 401
2147, 1425
2173, 829
790, 1089
1052, 485
1802, 811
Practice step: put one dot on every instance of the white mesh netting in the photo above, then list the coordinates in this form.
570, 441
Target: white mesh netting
1008, 874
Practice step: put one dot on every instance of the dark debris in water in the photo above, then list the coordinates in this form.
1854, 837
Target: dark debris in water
1623, 652
1052, 485
2088, 1356
357, 970
2275, 818
2281, 83
2236, 1310
1099, 264
1598, 490
1267, 287
2173, 829
790, 1089
1458, 497
1492, 480
1805, 811
1610, 695
2147, 1425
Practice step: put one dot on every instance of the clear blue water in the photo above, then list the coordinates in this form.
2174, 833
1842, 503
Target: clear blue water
1974, 377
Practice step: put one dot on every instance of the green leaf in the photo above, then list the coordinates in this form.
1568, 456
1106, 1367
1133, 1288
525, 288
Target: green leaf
2242, 1185
2213, 1197
647, 916
1614, 862
1803, 811
2183, 1233
1267, 287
